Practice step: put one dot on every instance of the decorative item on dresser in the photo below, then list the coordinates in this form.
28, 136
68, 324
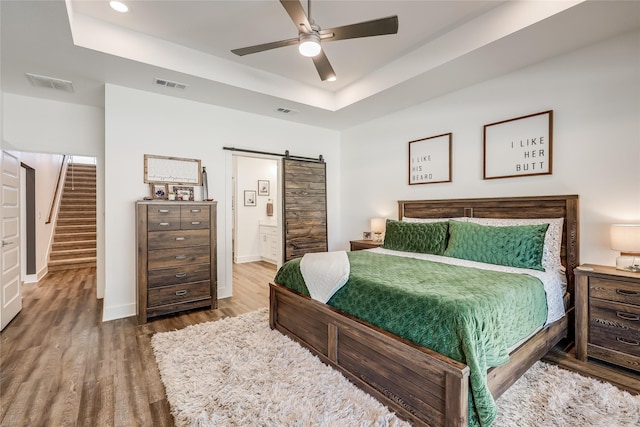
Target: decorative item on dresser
176, 257
608, 315
358, 245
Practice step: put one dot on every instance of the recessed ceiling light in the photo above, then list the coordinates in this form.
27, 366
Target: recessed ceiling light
331, 79
118, 6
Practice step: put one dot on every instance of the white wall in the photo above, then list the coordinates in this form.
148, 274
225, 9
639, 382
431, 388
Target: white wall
138, 123
595, 96
42, 126
47, 169
248, 171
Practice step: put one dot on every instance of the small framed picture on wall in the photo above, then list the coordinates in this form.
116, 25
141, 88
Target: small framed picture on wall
263, 187
249, 198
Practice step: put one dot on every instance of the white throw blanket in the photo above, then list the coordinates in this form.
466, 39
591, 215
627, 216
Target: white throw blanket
324, 273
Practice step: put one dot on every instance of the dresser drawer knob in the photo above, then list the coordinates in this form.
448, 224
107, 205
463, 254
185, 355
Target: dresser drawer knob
163, 224
163, 210
195, 210
179, 239
181, 257
181, 275
627, 342
627, 316
627, 293
181, 293
195, 222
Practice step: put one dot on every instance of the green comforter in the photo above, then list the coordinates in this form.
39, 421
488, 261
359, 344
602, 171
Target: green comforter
467, 314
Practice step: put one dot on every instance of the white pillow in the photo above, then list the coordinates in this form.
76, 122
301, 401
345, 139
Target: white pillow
552, 240
426, 220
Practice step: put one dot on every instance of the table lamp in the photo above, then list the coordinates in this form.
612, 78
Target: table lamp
378, 226
626, 239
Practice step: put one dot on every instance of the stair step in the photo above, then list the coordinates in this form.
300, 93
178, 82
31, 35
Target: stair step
87, 213
71, 264
70, 237
70, 229
76, 221
72, 254
74, 244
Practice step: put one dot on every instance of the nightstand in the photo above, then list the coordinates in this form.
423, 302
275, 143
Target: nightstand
358, 245
608, 315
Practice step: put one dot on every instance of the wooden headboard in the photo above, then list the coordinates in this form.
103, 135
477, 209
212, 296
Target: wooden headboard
509, 207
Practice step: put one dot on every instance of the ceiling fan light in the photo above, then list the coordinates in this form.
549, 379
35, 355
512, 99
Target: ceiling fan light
309, 45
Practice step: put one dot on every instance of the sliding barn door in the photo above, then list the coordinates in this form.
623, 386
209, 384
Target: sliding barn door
305, 207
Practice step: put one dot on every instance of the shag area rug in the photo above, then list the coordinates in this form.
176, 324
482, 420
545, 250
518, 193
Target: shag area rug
239, 372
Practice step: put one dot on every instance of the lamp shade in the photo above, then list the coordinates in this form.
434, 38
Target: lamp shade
625, 237
378, 225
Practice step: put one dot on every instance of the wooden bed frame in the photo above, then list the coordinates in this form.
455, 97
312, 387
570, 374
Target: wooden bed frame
421, 385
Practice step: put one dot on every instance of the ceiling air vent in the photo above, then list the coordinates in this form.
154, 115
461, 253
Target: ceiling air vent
284, 110
50, 82
169, 83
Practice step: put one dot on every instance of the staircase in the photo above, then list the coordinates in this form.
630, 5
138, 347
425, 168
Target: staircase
74, 241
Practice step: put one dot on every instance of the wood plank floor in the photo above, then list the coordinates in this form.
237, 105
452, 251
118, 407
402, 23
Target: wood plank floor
61, 366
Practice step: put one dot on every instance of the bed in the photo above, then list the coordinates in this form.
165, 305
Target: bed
420, 384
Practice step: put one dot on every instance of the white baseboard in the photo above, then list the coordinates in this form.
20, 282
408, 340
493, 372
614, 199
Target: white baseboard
248, 258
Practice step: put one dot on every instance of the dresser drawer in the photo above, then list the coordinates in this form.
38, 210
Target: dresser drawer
163, 218
179, 293
177, 239
614, 290
194, 217
177, 275
164, 258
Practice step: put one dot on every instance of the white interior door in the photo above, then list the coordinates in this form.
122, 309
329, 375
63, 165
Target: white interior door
11, 293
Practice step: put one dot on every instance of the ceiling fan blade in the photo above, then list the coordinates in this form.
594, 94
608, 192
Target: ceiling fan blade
325, 70
262, 47
296, 12
376, 27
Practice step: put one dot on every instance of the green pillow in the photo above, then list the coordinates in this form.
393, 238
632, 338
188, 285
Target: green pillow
513, 246
424, 238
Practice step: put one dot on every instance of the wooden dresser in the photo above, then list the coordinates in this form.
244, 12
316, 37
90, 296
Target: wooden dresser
176, 257
608, 315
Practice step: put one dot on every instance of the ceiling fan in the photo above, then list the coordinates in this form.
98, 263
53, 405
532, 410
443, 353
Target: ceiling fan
310, 35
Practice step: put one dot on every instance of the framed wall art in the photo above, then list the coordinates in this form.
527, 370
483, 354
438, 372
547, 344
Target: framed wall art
263, 187
171, 170
249, 198
430, 159
519, 147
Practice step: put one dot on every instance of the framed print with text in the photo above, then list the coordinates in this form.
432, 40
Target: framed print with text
430, 159
519, 147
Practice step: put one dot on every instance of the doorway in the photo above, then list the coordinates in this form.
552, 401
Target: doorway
256, 206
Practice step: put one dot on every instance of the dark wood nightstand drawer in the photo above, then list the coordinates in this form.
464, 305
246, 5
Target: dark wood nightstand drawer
358, 245
177, 275
615, 338
177, 239
179, 293
615, 315
614, 290
164, 258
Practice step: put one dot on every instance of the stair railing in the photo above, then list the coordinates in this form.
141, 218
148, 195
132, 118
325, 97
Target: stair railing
57, 192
